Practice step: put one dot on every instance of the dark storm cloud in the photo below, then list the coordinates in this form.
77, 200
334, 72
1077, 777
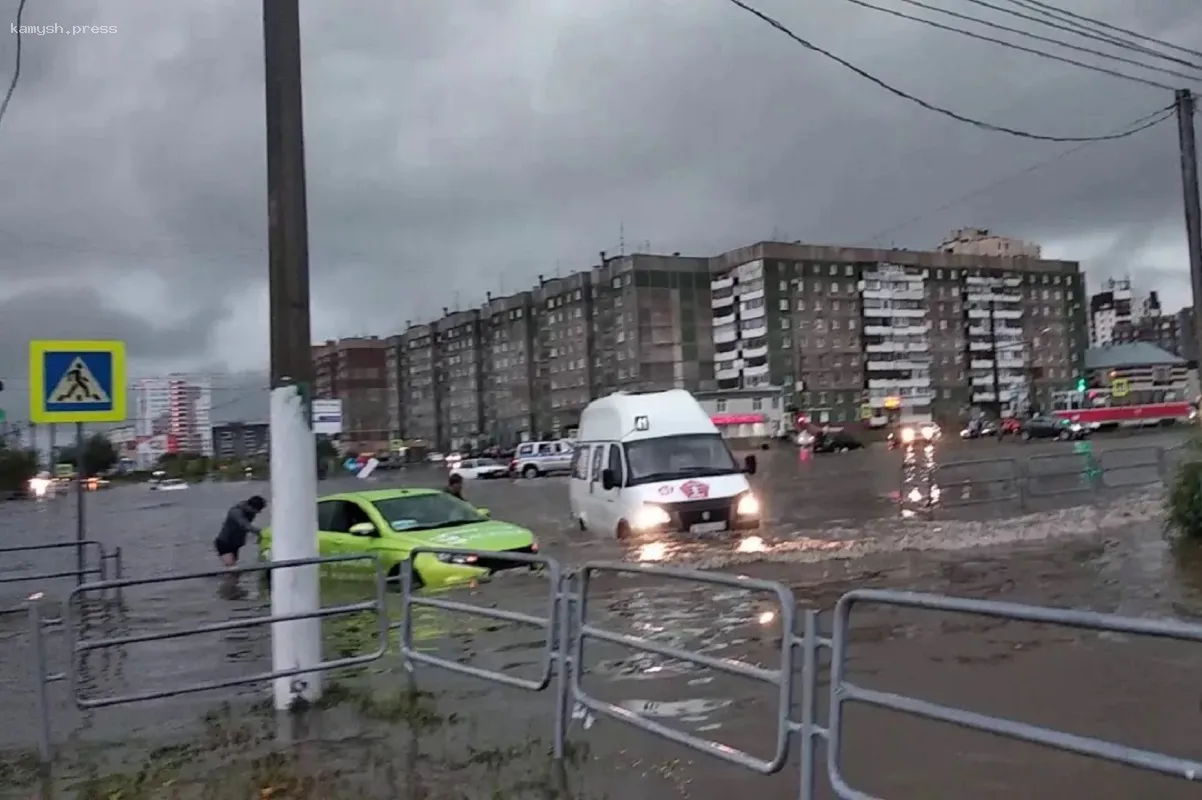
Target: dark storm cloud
484, 143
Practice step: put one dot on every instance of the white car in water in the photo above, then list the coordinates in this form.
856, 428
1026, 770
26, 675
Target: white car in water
480, 468
169, 485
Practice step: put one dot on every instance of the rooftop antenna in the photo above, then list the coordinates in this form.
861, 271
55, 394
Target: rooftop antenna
621, 238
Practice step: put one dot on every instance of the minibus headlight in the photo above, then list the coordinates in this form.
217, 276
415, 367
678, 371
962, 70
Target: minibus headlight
748, 506
649, 517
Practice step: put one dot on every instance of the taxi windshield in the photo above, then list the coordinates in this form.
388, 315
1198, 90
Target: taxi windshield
687, 456
418, 512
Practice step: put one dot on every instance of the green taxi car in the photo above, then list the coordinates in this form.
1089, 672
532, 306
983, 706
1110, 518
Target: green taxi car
391, 522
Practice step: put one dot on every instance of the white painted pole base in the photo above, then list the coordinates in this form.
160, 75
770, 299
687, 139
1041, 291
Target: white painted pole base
295, 644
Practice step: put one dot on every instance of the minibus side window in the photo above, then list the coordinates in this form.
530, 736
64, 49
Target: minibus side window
598, 451
580, 463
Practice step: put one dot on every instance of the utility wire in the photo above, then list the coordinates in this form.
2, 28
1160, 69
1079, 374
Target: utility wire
1003, 43
1037, 37
1143, 123
1076, 29
12, 85
1057, 12
931, 106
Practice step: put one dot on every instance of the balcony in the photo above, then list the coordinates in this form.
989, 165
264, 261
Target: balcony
726, 374
728, 319
757, 332
718, 284
755, 352
725, 336
727, 355
753, 294
752, 313
753, 372
722, 302
894, 294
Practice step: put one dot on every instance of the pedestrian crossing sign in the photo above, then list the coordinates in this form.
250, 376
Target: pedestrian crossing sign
76, 381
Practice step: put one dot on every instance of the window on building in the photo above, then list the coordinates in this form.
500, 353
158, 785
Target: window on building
757, 404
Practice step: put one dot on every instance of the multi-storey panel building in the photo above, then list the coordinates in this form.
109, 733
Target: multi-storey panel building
897, 343
354, 371
846, 327
458, 378
652, 324
510, 391
420, 408
394, 374
564, 317
1111, 308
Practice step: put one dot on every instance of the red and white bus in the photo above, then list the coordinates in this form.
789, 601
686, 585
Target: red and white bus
1137, 408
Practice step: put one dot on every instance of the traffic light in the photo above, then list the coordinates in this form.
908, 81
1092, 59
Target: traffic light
1080, 384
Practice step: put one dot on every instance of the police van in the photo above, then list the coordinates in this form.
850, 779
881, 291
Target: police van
653, 462
535, 459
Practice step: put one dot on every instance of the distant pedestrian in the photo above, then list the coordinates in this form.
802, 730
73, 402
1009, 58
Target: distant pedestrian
239, 523
455, 486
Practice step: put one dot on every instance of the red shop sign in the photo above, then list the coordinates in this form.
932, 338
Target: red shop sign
737, 419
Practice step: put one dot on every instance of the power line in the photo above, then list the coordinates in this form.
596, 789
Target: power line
1146, 122
1003, 43
1055, 11
1051, 21
12, 85
931, 106
1019, 31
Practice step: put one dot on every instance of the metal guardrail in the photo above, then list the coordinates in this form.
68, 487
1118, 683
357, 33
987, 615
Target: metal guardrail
39, 626
1025, 481
568, 627
105, 562
844, 692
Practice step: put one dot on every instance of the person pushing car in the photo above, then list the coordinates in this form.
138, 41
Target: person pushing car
239, 523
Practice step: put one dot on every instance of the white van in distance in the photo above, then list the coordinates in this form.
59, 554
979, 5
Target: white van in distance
655, 463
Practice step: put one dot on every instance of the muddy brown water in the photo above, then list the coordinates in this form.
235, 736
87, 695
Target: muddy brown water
463, 738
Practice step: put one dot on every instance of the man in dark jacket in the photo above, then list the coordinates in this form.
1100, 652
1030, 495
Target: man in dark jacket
455, 486
239, 523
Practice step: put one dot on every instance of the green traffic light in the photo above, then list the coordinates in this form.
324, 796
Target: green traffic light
1080, 384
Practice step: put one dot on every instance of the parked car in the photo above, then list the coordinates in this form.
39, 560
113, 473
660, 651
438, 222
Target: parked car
534, 459
835, 442
480, 469
1051, 428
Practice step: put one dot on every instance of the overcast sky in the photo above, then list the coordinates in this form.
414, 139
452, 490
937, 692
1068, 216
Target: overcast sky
461, 146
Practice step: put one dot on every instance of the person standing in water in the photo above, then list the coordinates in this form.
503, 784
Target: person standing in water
239, 523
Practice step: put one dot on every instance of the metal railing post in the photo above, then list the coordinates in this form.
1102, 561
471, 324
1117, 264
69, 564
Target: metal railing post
809, 708
41, 695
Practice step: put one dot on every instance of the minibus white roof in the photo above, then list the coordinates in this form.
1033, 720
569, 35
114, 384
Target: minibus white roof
631, 416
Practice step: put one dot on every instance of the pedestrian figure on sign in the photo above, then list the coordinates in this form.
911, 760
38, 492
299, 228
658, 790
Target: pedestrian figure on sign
81, 387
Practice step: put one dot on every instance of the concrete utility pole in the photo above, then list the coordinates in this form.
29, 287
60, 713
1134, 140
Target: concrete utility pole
296, 644
1193, 211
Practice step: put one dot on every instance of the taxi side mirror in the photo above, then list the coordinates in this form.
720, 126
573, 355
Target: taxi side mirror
364, 529
750, 465
482, 512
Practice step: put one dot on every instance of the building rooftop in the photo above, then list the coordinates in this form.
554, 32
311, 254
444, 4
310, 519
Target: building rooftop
1135, 354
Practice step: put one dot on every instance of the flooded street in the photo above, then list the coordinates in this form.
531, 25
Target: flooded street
832, 524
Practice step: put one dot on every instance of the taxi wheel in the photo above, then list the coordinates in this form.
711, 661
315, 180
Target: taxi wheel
394, 578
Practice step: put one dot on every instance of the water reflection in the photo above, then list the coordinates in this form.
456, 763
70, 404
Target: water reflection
919, 491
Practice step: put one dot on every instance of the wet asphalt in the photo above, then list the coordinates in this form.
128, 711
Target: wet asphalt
833, 522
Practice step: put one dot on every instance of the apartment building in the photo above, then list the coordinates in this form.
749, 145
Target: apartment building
458, 377
175, 406
355, 372
1111, 308
854, 330
420, 412
1187, 340
239, 441
564, 318
394, 384
1153, 327
983, 242
652, 324
510, 391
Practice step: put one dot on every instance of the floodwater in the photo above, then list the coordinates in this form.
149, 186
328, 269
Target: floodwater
833, 523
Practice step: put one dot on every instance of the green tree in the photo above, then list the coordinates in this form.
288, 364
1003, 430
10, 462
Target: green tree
99, 455
16, 468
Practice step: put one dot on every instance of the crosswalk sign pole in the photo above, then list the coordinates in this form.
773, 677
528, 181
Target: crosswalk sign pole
81, 522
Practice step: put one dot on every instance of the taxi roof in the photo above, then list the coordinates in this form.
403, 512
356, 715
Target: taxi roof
631, 416
373, 495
